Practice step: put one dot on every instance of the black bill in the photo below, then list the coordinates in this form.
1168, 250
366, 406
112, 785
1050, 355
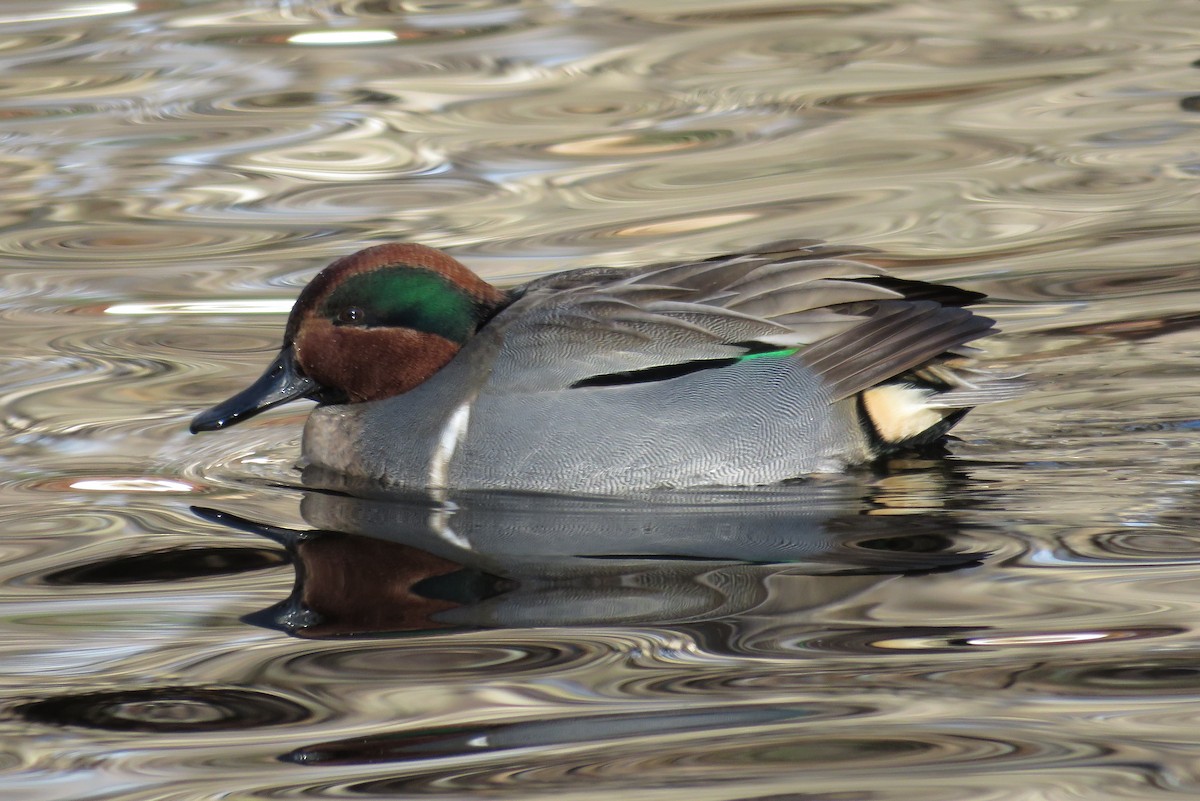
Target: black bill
280, 383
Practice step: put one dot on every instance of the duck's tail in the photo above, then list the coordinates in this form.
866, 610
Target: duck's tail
918, 407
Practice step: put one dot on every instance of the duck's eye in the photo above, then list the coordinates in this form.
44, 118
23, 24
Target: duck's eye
351, 315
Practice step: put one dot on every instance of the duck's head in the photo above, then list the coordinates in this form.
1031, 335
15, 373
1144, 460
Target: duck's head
371, 325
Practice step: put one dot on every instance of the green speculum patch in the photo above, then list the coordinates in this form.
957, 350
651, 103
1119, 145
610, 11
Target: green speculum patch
782, 353
406, 297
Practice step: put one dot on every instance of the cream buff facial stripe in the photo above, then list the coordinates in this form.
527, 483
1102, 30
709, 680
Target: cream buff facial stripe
451, 437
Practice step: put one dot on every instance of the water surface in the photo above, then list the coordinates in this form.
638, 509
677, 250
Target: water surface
1016, 620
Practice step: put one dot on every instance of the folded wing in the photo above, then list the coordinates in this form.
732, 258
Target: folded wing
849, 324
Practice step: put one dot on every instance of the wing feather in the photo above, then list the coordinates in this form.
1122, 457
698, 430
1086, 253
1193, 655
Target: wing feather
572, 327
901, 337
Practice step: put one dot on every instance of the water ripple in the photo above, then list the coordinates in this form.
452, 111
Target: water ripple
167, 709
776, 755
87, 243
355, 665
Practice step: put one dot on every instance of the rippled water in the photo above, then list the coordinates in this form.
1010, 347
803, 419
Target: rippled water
1016, 621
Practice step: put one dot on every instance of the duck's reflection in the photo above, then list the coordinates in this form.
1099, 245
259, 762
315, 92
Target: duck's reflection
422, 563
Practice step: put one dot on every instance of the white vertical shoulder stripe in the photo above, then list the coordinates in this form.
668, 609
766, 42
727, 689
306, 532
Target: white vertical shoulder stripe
451, 437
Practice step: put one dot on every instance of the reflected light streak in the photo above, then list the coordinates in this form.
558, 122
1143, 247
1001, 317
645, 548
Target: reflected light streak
131, 485
342, 37
262, 306
1041, 639
72, 12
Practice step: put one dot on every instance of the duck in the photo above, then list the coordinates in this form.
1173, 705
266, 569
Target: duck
738, 370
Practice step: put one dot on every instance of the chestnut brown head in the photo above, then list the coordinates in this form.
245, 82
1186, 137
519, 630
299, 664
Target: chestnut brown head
371, 325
